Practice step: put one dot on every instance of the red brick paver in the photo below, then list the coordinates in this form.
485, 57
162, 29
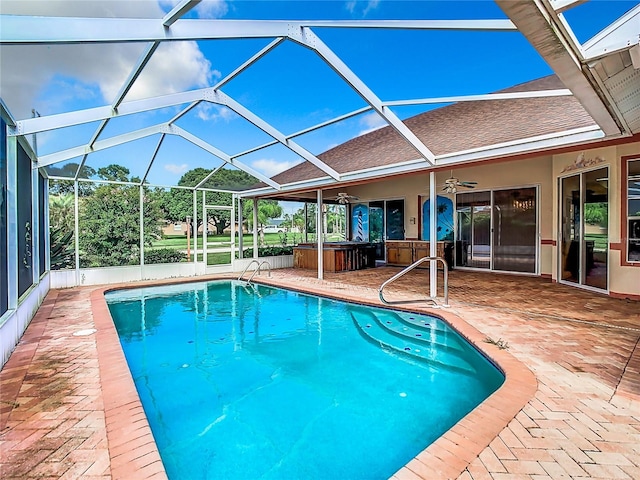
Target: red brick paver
570, 407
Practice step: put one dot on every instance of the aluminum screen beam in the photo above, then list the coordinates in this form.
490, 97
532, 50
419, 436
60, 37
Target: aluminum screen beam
543, 29
101, 145
224, 99
153, 159
178, 11
309, 39
135, 73
197, 141
486, 97
32, 30
61, 120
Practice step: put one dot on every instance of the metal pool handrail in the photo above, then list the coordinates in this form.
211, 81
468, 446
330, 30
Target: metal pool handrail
407, 270
257, 270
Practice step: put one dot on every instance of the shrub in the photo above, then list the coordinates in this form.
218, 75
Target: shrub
164, 255
268, 251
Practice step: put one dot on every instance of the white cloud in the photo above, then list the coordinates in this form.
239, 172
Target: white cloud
361, 7
176, 169
210, 112
371, 122
204, 9
27, 71
271, 167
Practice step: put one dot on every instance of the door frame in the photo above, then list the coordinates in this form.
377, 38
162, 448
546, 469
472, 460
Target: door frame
537, 188
559, 228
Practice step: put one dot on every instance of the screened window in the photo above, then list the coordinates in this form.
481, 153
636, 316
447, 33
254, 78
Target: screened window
25, 230
4, 280
633, 210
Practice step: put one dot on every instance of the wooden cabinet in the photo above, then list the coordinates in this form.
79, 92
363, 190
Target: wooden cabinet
404, 253
399, 253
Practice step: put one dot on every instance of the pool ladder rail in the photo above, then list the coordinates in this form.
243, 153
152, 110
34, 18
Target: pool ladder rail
429, 299
256, 271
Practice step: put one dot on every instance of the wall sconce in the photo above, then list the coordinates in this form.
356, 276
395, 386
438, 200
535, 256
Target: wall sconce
412, 220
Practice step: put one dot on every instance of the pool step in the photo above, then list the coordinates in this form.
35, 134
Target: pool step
419, 327
418, 348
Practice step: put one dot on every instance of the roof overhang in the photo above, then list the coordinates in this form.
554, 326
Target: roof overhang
547, 32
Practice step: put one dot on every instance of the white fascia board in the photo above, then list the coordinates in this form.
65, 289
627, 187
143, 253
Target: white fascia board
61, 120
309, 39
622, 34
564, 5
32, 30
564, 92
101, 145
178, 11
175, 130
538, 143
544, 30
224, 99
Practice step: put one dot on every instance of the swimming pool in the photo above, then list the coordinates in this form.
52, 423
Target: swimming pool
245, 383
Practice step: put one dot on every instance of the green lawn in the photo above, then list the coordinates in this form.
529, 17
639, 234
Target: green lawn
601, 241
180, 241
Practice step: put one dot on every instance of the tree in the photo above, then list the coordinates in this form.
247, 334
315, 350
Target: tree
61, 228
178, 203
266, 209
62, 187
109, 221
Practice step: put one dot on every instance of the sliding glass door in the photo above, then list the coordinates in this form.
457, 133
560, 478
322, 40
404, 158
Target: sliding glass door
584, 240
497, 230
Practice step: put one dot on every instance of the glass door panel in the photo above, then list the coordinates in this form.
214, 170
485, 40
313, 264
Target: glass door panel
596, 222
571, 222
395, 219
376, 228
584, 246
474, 229
514, 230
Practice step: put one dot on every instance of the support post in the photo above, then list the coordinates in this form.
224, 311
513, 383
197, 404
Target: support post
319, 239
233, 230
76, 226
433, 235
141, 232
194, 227
255, 228
240, 230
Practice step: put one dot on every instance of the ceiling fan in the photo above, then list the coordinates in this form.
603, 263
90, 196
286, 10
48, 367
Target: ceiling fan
343, 198
451, 184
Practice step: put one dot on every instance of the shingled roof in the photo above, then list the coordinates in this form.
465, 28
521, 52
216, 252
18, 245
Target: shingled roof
455, 128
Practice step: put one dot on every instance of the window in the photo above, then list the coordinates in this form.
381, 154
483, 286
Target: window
633, 210
177, 227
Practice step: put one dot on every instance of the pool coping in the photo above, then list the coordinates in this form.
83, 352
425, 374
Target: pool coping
132, 447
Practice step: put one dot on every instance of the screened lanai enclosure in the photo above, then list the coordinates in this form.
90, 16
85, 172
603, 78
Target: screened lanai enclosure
152, 139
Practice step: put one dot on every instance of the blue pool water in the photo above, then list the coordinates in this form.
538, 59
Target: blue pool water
242, 383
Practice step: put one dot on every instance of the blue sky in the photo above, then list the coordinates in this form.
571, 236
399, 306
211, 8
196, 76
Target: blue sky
291, 87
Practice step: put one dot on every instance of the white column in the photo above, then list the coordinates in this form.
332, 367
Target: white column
76, 226
205, 232
433, 235
141, 231
35, 226
240, 229
233, 230
255, 228
319, 239
194, 228
12, 223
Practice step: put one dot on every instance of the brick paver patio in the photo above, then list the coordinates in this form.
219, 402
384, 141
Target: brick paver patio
68, 407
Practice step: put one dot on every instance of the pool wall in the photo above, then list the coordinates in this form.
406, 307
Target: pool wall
132, 448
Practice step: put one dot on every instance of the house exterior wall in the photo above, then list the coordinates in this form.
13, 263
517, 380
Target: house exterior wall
544, 172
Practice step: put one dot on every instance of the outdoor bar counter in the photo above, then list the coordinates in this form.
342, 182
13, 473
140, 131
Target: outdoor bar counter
336, 256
